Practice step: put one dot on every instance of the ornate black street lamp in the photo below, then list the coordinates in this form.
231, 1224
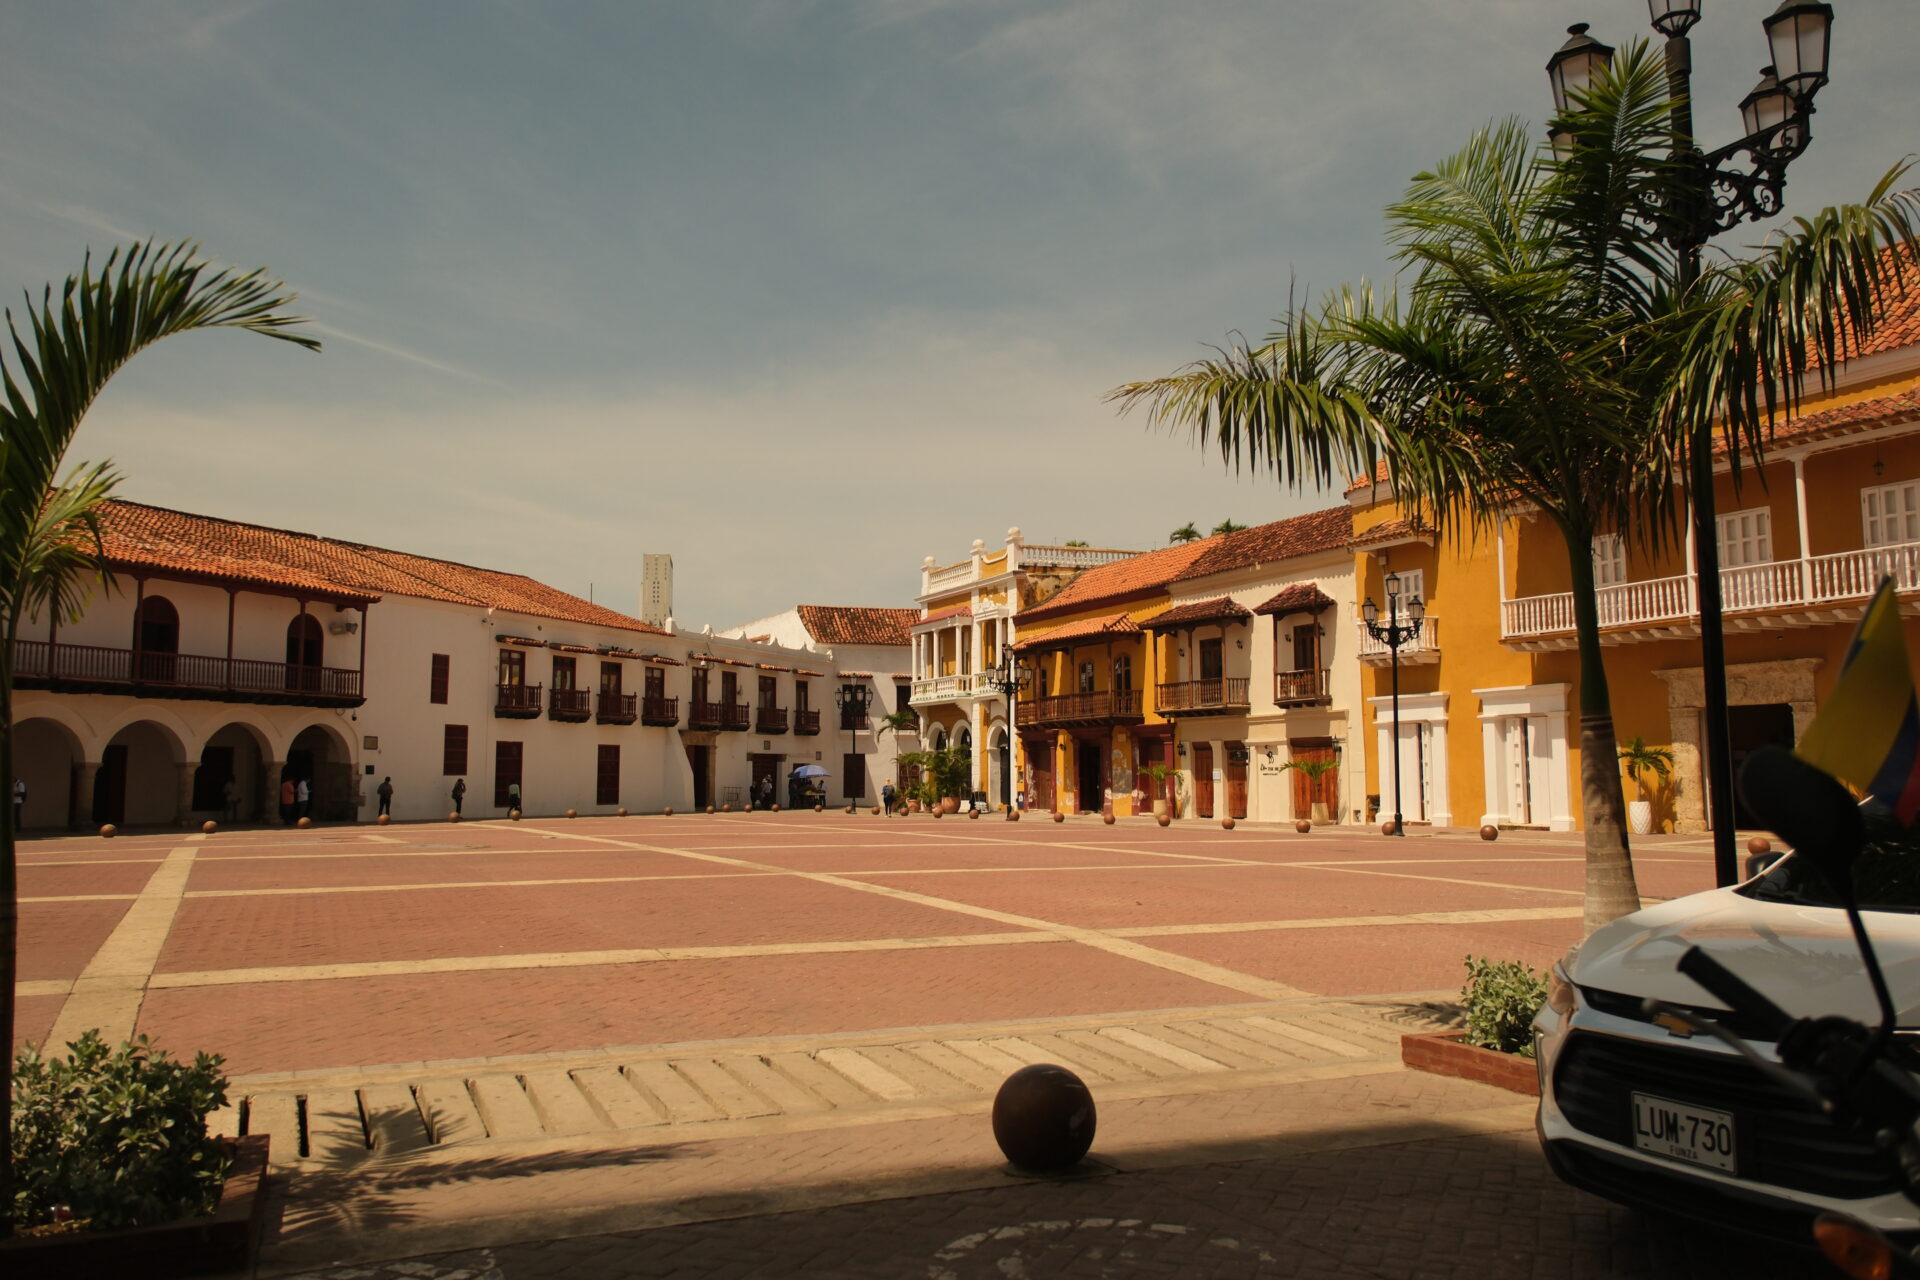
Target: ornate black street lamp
1740, 182
1394, 634
1007, 678
852, 699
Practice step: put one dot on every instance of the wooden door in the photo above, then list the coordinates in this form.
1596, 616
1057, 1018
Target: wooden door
1326, 790
1203, 779
1236, 771
1040, 758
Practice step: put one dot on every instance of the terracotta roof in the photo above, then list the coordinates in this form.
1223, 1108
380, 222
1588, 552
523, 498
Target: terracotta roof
525, 642
571, 648
1901, 406
1328, 530
138, 536
941, 615
1223, 609
1120, 578
1379, 476
1301, 597
851, 624
1389, 532
1111, 624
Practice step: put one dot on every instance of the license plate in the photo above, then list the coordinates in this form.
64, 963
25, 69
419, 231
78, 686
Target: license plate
1693, 1135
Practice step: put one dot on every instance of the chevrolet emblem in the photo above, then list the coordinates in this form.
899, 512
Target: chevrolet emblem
1673, 1025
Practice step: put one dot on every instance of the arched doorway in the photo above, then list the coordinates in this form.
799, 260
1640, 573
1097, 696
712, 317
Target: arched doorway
233, 756
320, 758
45, 757
139, 779
306, 652
156, 640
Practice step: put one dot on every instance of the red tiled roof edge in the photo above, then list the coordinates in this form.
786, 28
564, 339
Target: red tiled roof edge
1223, 609
857, 624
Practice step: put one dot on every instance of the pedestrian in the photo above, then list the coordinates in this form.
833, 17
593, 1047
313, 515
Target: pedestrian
763, 798
286, 800
19, 802
230, 800
886, 798
302, 798
385, 792
794, 785
459, 792
513, 797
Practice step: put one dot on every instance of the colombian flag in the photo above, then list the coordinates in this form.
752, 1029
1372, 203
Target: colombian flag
1868, 733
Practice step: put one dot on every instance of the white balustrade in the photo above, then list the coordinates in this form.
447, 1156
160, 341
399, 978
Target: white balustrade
944, 688
952, 575
1073, 557
1427, 641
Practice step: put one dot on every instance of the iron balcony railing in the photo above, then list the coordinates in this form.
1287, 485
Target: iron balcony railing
185, 675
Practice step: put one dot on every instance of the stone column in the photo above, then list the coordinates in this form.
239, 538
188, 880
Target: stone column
183, 802
81, 811
270, 790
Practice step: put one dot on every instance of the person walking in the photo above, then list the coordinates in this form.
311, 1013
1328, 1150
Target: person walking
302, 798
764, 800
385, 792
286, 800
459, 793
513, 798
886, 799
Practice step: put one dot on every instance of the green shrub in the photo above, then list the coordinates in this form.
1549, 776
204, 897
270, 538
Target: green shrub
119, 1136
1501, 997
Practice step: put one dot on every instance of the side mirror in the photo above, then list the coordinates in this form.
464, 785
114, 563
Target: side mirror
1808, 808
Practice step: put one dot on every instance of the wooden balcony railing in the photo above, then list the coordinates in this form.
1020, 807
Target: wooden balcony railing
572, 705
806, 722
849, 721
705, 715
1216, 696
664, 711
617, 708
1112, 707
770, 720
518, 701
1301, 688
91, 668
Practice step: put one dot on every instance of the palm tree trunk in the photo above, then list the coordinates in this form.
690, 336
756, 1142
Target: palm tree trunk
1611, 891
9, 928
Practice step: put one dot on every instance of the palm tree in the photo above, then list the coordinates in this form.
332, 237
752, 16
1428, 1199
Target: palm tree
1543, 355
1185, 533
1228, 526
50, 550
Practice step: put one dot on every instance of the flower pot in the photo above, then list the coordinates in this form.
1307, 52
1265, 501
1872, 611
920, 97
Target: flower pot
1161, 809
1320, 816
949, 804
1640, 817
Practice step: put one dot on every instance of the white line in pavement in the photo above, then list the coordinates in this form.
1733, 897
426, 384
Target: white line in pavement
108, 993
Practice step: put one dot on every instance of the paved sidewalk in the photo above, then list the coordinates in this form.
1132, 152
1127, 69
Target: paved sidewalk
1388, 1174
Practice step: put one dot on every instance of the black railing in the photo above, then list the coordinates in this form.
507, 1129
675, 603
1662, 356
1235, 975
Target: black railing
185, 675
518, 701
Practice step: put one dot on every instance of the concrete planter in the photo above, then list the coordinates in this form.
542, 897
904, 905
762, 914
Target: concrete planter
1446, 1053
221, 1241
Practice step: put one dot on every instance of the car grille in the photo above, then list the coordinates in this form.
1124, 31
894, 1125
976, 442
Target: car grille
1783, 1141
1625, 1006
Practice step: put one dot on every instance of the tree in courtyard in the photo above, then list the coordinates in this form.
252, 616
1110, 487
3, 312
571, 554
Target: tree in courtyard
50, 548
1185, 533
1541, 353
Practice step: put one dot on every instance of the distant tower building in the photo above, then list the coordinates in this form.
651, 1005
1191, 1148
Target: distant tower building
656, 589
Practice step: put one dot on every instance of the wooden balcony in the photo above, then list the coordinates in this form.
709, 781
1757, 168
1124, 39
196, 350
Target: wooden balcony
770, 720
1222, 695
661, 711
850, 722
518, 701
1303, 688
617, 708
575, 706
86, 668
806, 723
1081, 710
1774, 595
718, 715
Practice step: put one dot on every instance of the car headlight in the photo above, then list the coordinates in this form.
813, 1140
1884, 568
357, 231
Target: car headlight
1561, 997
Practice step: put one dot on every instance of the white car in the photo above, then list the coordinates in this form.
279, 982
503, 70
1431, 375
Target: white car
1663, 1118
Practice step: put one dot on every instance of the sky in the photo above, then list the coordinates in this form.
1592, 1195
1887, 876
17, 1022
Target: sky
798, 291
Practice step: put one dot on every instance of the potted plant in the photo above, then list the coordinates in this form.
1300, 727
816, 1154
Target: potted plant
1636, 755
1169, 780
943, 775
1313, 771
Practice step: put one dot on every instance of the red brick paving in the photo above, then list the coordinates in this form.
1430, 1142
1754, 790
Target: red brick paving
546, 863
1376, 958
365, 1021
231, 933
107, 877
57, 939
910, 854
33, 1018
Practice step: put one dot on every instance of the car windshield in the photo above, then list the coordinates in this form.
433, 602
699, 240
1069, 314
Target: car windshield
1887, 876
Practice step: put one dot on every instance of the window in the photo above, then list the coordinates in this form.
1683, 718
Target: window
453, 750
800, 695
607, 787
902, 696
506, 771
563, 673
1413, 584
730, 688
1746, 537
853, 768
657, 683
1086, 677
769, 692
1211, 665
702, 685
513, 667
1890, 514
1123, 673
1609, 560
1306, 647
610, 677
437, 682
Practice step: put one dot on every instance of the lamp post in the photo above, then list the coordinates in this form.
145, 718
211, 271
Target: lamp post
852, 700
1740, 182
1008, 677
1395, 634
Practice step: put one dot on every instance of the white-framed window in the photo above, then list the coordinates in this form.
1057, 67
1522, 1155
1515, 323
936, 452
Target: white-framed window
1609, 560
1413, 583
1890, 513
1746, 537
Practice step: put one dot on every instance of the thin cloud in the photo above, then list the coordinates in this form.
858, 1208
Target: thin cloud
402, 353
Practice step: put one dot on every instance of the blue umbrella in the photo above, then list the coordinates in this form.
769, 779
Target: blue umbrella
812, 771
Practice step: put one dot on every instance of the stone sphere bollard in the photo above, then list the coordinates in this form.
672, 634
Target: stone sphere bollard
1489, 832
620, 812
1227, 823
1013, 815
709, 808
667, 811
1759, 844
973, 813
938, 812
304, 823
1303, 826
513, 815
726, 808
1059, 816
109, 830
875, 811
1387, 827
1107, 818
1044, 1118
819, 808
573, 813
1164, 819
454, 816
209, 826
773, 808
384, 819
